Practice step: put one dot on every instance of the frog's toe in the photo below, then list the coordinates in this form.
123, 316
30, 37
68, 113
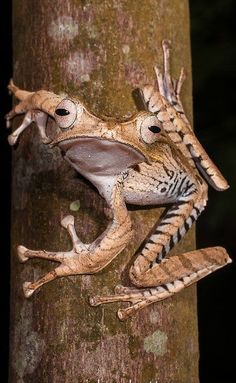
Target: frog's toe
68, 220
28, 291
21, 251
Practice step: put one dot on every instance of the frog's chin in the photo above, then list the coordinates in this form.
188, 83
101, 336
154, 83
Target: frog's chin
90, 155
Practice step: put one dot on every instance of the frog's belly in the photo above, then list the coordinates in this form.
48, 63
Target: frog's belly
149, 186
146, 197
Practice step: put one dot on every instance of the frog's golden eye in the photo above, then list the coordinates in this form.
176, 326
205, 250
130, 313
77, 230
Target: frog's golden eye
150, 129
66, 113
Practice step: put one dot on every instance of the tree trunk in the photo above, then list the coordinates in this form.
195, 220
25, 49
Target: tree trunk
99, 51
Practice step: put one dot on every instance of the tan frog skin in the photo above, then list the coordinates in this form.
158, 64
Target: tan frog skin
152, 158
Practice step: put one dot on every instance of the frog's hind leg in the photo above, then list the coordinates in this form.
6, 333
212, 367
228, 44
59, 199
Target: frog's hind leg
172, 274
205, 261
139, 299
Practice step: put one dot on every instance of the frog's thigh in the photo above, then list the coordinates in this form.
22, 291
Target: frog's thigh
187, 268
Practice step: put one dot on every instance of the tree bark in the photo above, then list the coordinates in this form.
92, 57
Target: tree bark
99, 51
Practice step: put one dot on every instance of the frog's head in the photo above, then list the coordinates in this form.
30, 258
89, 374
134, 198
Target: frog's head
104, 146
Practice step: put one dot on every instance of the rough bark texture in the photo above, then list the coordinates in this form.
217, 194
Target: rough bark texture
100, 51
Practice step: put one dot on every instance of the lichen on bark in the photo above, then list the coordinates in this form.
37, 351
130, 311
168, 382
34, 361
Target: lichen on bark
99, 51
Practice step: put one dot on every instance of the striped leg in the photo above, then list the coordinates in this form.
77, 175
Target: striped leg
166, 104
173, 274
198, 264
146, 270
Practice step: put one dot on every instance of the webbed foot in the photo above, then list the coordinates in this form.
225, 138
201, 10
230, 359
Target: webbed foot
139, 298
69, 260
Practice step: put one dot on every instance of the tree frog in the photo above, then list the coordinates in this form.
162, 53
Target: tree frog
153, 158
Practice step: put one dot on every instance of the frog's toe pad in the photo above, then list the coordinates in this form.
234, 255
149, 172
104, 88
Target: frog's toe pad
21, 250
94, 301
68, 220
28, 291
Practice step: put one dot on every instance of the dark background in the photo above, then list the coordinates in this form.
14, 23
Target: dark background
213, 57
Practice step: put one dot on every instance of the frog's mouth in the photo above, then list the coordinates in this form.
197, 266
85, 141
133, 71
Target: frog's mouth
100, 156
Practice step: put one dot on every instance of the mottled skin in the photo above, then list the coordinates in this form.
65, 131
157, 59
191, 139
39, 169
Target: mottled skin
149, 159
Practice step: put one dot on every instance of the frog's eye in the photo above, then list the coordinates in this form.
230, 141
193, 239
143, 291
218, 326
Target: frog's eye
150, 129
66, 113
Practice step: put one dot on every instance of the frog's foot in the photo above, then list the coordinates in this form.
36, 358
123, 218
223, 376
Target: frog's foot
30, 287
40, 119
68, 223
68, 259
142, 297
9, 117
13, 138
139, 298
168, 87
21, 251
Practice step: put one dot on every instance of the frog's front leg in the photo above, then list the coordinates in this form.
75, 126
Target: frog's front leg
166, 104
40, 119
37, 107
168, 87
86, 258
